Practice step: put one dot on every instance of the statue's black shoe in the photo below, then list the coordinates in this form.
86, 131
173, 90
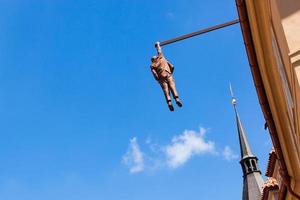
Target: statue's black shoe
171, 108
178, 102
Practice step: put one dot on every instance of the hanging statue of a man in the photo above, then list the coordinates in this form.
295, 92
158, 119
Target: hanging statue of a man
162, 71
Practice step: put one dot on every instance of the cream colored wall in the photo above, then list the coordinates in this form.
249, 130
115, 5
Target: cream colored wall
283, 15
290, 14
289, 11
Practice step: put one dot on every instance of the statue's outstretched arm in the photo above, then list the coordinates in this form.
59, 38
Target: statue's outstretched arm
158, 48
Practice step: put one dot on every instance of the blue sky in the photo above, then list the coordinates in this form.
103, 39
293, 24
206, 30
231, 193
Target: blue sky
83, 119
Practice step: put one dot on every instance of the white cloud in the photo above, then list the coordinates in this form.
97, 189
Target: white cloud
228, 154
134, 157
187, 145
179, 151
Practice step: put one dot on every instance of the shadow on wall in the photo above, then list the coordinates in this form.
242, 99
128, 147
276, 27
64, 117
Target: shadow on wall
288, 7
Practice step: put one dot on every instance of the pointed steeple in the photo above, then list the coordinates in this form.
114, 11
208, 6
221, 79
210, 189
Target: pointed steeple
244, 144
253, 181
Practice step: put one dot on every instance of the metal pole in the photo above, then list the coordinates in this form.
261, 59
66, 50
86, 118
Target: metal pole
183, 37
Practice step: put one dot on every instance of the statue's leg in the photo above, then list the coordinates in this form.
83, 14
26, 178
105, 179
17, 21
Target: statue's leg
171, 83
172, 86
165, 88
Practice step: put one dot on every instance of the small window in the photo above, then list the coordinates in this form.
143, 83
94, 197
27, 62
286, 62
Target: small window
254, 165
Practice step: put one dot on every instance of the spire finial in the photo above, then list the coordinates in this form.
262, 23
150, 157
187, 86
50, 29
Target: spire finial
233, 99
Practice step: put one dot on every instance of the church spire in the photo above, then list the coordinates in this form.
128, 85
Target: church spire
253, 181
244, 144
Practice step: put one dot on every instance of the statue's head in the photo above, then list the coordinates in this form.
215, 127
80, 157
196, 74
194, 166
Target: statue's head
154, 58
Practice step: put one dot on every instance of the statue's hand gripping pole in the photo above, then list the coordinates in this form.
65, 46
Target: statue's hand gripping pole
158, 48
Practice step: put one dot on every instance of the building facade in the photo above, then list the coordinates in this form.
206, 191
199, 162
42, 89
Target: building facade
271, 32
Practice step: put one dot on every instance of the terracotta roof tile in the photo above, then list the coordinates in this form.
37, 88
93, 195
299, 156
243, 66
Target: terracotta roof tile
271, 163
269, 185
